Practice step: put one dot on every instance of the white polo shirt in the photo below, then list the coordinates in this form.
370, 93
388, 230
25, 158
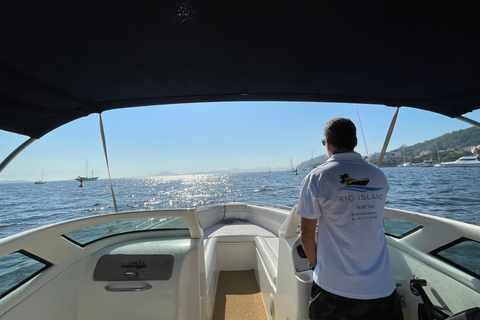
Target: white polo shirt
347, 195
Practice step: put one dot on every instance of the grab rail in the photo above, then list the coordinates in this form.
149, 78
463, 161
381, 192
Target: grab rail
271, 204
274, 205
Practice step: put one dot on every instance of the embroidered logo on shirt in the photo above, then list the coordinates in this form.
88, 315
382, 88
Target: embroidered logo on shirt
359, 185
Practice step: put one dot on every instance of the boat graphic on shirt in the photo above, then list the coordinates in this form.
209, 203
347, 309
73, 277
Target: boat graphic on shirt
352, 184
346, 180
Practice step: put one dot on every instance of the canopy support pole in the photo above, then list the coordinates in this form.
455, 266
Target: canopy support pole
102, 132
469, 121
387, 138
15, 152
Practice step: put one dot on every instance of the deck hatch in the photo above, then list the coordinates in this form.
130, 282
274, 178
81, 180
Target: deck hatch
399, 228
17, 268
132, 267
463, 254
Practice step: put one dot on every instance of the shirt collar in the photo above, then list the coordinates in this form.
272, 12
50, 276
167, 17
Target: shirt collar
345, 155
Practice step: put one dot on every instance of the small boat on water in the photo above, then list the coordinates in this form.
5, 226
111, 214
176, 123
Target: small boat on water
41, 181
427, 163
292, 169
466, 161
86, 177
61, 62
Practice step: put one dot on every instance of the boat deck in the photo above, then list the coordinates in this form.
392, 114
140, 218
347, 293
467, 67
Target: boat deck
230, 255
238, 297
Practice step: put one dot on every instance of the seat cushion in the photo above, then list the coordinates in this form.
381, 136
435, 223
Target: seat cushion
236, 232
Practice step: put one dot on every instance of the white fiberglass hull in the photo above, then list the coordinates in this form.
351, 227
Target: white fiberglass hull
459, 164
467, 161
234, 236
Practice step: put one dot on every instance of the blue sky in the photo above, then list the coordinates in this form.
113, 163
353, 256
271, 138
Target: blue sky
210, 136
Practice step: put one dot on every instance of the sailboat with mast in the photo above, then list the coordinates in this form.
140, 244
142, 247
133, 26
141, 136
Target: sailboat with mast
86, 177
41, 181
292, 169
405, 163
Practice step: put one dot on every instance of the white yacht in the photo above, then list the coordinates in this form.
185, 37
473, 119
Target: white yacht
61, 61
427, 163
466, 161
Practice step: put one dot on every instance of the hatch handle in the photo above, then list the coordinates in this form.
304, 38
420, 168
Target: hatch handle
128, 289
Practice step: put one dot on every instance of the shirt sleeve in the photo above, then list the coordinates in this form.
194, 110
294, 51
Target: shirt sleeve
308, 205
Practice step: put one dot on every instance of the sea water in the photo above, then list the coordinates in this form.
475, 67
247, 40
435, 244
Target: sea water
448, 192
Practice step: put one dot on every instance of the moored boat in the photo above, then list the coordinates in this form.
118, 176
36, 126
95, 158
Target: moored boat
427, 163
466, 161
86, 177
41, 181
81, 178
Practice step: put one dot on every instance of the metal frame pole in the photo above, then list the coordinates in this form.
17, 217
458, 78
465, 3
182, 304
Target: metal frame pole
15, 153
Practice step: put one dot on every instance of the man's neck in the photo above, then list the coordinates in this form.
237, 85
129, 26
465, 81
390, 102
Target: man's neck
340, 151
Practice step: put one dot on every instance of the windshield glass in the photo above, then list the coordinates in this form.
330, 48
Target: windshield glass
87, 235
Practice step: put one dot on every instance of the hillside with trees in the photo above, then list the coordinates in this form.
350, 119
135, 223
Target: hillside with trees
448, 147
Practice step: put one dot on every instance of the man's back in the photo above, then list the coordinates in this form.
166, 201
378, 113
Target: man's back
352, 252
341, 204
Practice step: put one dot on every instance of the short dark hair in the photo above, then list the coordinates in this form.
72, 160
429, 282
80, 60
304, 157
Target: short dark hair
341, 133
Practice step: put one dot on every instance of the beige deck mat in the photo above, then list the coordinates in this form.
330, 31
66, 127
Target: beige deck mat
238, 297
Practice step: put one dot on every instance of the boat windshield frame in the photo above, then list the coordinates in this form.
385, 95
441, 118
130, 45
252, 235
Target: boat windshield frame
457, 264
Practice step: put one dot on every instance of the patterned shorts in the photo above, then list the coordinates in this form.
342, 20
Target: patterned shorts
325, 305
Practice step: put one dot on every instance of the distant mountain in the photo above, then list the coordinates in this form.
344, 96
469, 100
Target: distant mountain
239, 170
166, 173
456, 139
232, 170
311, 163
14, 181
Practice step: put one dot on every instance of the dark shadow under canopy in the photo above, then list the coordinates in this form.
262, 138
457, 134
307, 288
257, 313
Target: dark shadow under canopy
60, 60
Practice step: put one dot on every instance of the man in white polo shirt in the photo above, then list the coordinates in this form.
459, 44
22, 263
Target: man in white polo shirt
345, 198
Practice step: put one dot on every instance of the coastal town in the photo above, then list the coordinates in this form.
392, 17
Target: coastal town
446, 148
